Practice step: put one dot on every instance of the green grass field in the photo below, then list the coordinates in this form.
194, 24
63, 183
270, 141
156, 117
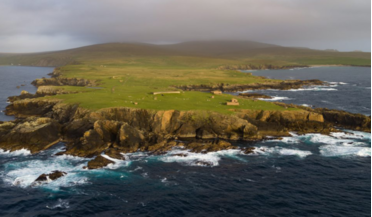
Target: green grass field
129, 73
125, 82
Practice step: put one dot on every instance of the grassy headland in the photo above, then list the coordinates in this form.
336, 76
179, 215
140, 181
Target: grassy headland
129, 73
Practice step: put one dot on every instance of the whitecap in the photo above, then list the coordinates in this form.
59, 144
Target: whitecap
319, 138
188, 158
349, 135
359, 134
314, 88
338, 150
306, 105
117, 163
275, 98
61, 204
263, 150
20, 152
23, 174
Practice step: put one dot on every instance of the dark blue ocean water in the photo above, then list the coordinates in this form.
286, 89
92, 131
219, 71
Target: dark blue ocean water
13, 76
349, 88
308, 175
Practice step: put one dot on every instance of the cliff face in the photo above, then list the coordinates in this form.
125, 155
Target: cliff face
338, 118
63, 81
128, 129
285, 85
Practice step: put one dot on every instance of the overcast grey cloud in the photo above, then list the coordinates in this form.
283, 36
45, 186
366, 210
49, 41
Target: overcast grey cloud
40, 25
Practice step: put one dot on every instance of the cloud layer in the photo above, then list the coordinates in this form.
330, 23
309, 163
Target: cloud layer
39, 25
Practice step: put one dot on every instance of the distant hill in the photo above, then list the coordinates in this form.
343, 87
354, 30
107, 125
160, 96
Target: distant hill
245, 51
217, 48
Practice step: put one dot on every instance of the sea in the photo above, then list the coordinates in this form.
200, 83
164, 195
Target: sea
302, 175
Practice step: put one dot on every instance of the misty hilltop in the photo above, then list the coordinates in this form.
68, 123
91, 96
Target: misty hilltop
241, 52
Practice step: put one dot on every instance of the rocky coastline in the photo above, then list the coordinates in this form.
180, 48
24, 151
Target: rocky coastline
42, 122
284, 85
259, 67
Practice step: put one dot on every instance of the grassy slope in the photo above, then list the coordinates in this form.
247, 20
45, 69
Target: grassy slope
136, 78
144, 68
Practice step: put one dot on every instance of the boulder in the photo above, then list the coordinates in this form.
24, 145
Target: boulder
99, 162
209, 146
45, 178
114, 153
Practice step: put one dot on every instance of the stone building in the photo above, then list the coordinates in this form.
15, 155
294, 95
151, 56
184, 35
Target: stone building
233, 102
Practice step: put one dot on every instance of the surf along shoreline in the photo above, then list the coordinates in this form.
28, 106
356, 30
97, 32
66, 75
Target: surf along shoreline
42, 122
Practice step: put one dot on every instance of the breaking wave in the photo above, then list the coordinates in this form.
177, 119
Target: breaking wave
21, 152
276, 98
188, 158
264, 150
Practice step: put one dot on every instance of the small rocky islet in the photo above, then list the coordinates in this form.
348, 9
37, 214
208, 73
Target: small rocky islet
42, 122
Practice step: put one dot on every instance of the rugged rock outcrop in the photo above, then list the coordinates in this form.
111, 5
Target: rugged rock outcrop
41, 92
44, 178
34, 134
254, 96
284, 85
99, 162
338, 118
114, 153
122, 130
59, 81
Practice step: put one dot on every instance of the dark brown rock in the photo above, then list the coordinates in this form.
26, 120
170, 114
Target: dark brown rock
114, 153
99, 162
50, 176
248, 150
34, 134
130, 138
209, 146
254, 95
180, 155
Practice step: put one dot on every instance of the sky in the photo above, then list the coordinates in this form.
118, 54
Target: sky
44, 25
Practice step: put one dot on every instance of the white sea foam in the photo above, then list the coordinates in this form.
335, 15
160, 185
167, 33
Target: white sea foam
289, 140
264, 150
276, 98
315, 88
342, 150
358, 134
23, 174
343, 135
319, 138
312, 88
61, 204
21, 152
306, 105
350, 143
118, 163
197, 159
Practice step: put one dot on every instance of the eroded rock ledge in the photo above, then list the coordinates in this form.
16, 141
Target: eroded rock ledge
58, 80
285, 85
122, 130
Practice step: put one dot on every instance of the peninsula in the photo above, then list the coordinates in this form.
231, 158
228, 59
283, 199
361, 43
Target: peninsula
101, 98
